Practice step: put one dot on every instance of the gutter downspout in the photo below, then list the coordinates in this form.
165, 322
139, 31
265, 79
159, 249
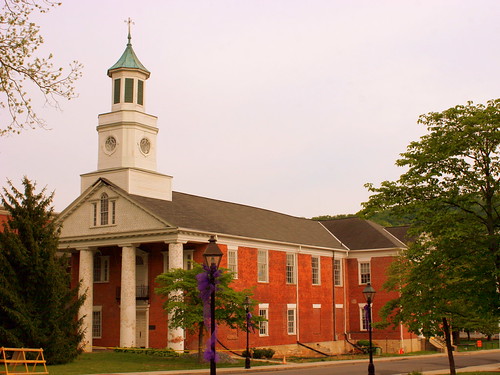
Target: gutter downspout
344, 266
297, 294
334, 311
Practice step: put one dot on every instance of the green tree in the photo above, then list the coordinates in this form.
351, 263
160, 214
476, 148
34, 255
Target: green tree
451, 193
20, 64
332, 217
37, 307
185, 306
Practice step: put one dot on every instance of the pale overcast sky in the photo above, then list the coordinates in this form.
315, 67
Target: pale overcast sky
286, 105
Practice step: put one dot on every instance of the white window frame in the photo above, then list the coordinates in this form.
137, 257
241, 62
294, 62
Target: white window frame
291, 268
232, 261
97, 322
363, 279
337, 272
102, 216
104, 269
262, 266
316, 271
363, 322
94, 214
165, 260
264, 325
188, 259
291, 319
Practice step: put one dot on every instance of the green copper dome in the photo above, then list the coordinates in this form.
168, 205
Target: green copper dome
128, 60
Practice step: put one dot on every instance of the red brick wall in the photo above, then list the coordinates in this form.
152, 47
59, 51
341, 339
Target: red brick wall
379, 266
315, 324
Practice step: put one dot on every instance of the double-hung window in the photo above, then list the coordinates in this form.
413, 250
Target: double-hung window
291, 272
104, 211
262, 266
232, 261
101, 269
364, 272
363, 317
316, 270
291, 319
337, 272
263, 325
97, 322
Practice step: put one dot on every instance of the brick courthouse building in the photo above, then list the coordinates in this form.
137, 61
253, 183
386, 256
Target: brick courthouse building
128, 226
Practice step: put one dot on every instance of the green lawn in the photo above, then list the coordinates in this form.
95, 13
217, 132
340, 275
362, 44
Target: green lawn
109, 362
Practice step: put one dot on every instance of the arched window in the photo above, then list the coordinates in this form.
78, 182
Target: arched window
104, 209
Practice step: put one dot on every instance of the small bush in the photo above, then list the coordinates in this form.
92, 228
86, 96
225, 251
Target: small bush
263, 353
166, 352
364, 346
415, 373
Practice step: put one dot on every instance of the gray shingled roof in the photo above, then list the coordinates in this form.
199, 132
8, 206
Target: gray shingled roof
359, 234
401, 233
211, 215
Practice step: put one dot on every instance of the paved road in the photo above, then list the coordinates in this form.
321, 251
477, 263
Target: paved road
388, 366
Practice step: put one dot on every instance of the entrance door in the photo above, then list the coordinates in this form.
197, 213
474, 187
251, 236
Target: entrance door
141, 329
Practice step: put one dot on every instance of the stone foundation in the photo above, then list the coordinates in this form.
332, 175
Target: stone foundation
343, 347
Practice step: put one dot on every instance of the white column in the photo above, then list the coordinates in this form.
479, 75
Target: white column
86, 277
175, 260
127, 298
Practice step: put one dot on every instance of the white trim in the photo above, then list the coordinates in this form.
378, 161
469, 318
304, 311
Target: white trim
316, 305
291, 305
339, 305
263, 305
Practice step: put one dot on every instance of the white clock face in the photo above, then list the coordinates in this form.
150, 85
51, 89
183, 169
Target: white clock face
110, 144
145, 146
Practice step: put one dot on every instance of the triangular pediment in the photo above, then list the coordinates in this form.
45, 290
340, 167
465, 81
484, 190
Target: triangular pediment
86, 217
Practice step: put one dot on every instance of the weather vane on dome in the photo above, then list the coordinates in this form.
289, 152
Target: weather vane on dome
129, 22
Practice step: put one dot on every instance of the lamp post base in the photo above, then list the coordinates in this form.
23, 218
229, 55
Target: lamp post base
247, 362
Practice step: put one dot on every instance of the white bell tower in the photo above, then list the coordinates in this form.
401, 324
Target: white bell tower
127, 134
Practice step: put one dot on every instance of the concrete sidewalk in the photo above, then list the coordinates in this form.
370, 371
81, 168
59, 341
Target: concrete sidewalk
296, 366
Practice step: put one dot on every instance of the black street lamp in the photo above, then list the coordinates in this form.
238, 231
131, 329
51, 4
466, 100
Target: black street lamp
369, 293
212, 257
247, 311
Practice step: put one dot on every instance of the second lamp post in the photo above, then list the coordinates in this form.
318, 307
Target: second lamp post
247, 317
369, 293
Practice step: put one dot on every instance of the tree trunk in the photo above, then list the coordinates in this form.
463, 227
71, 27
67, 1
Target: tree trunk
456, 337
201, 327
449, 347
